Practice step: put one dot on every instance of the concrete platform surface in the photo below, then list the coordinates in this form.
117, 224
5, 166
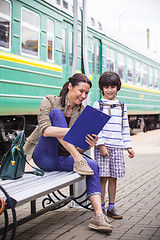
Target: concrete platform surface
138, 198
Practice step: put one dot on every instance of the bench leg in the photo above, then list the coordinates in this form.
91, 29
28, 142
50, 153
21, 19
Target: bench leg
81, 200
9, 204
33, 207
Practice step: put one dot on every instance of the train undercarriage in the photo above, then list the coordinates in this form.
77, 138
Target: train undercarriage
143, 123
10, 126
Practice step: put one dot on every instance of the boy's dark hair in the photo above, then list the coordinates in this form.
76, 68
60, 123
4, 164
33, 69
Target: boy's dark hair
109, 78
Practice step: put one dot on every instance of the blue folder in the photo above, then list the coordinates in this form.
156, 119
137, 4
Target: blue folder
91, 121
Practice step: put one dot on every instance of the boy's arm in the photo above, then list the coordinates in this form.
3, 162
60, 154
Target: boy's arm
126, 130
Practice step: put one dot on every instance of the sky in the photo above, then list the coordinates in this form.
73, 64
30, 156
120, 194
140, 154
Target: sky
129, 19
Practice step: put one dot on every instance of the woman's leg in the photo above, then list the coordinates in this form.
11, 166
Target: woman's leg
92, 181
45, 154
96, 204
80, 165
98, 221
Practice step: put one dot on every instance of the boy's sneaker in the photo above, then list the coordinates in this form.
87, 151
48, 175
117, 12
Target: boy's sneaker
99, 223
82, 167
114, 214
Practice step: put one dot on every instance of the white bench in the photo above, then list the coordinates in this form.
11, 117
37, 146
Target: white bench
30, 187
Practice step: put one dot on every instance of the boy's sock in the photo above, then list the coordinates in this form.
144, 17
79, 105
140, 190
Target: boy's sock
103, 206
110, 206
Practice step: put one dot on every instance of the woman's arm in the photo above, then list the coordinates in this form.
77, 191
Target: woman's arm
55, 132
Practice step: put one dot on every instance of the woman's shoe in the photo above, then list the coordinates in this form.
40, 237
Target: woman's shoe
99, 223
82, 167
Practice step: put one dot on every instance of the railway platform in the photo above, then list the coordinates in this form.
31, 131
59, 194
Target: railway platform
138, 198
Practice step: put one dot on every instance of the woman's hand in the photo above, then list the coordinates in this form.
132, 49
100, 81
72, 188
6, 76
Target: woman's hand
91, 140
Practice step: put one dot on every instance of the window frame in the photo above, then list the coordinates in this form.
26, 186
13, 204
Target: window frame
110, 58
53, 37
137, 70
9, 19
64, 33
120, 62
144, 72
156, 76
151, 74
38, 30
130, 67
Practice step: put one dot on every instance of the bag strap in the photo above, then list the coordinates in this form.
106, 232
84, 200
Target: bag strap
38, 171
121, 104
100, 105
19, 140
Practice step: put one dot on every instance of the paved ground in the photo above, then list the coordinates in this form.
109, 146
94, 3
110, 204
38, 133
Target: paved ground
138, 198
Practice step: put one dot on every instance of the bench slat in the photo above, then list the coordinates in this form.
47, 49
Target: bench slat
31, 187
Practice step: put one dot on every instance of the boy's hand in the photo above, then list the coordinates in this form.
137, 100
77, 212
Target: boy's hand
130, 152
103, 151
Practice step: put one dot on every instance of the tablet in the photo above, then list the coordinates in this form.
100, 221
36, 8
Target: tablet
91, 121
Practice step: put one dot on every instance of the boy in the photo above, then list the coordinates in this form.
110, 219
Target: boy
114, 137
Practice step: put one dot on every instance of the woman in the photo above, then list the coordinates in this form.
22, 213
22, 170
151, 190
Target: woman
57, 115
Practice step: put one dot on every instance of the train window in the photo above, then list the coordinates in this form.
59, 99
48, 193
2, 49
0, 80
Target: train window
50, 40
151, 77
138, 72
59, 2
156, 79
121, 66
63, 46
5, 24
144, 74
129, 70
30, 30
70, 48
97, 53
93, 58
93, 22
110, 60
65, 4
100, 25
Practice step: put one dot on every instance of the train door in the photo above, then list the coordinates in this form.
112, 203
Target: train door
67, 50
96, 69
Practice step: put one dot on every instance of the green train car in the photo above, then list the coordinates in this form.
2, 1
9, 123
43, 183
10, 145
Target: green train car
36, 59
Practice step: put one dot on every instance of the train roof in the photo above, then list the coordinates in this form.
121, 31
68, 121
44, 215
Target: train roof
93, 23
123, 40
133, 46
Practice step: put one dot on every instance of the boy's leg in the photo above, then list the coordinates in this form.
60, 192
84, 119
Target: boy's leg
103, 181
111, 211
112, 184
